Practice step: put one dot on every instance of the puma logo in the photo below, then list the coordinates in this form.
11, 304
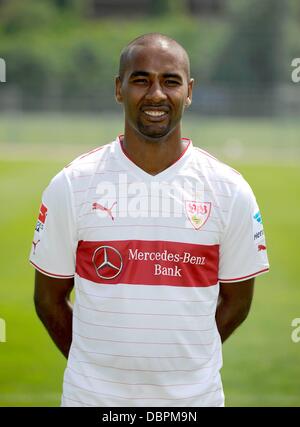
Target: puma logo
34, 246
105, 209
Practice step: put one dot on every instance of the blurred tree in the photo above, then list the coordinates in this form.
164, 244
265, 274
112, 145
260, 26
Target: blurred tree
63, 4
165, 7
252, 54
77, 7
295, 9
17, 15
49, 47
28, 70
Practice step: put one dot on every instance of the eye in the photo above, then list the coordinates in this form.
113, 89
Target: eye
170, 82
140, 81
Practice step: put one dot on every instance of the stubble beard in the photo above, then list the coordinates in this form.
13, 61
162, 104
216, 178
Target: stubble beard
154, 132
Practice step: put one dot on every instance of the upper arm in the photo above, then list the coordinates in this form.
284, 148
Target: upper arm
238, 294
242, 247
49, 290
54, 244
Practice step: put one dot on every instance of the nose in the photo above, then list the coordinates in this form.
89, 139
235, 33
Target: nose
156, 93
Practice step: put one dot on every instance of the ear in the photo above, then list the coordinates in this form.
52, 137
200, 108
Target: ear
190, 92
188, 102
118, 90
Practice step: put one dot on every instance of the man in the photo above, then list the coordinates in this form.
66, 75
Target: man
162, 243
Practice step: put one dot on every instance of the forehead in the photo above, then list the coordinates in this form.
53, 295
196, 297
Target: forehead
157, 59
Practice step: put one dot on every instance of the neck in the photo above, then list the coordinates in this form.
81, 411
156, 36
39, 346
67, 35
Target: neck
153, 156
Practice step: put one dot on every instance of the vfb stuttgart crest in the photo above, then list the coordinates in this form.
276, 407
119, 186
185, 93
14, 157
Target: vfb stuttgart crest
197, 212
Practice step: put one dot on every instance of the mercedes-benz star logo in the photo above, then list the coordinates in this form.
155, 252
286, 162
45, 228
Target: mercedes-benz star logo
108, 262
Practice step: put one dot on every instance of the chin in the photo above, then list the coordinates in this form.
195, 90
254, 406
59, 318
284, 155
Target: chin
154, 135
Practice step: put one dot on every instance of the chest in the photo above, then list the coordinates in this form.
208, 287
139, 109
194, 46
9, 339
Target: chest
114, 206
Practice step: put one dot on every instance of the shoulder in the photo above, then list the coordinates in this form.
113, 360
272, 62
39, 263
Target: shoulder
219, 172
70, 178
86, 163
215, 167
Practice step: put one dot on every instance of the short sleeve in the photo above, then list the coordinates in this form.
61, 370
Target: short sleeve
54, 243
243, 250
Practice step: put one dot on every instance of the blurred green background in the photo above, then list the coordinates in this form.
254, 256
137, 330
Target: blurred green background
58, 101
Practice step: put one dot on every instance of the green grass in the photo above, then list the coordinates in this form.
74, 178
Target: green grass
31, 367
59, 129
96, 130
53, 136
261, 363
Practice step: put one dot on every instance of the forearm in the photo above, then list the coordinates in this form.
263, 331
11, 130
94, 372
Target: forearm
233, 306
57, 319
228, 318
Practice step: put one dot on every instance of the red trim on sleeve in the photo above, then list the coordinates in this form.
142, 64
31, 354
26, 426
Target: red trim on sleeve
238, 279
58, 276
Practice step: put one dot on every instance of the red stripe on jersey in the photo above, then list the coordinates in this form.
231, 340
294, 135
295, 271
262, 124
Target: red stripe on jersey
238, 279
138, 262
47, 273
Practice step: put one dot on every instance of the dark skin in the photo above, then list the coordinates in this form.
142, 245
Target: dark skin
154, 90
233, 306
53, 306
155, 79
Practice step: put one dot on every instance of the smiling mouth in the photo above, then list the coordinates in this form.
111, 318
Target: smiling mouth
155, 115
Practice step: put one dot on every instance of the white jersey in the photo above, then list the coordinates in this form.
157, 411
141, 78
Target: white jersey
147, 254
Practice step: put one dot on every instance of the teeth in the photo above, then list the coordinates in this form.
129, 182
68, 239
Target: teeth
154, 113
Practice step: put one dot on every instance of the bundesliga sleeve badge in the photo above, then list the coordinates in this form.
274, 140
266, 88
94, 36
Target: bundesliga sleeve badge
39, 227
41, 218
197, 212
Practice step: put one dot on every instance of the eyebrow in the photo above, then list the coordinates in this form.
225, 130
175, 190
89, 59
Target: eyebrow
146, 74
173, 76
139, 73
